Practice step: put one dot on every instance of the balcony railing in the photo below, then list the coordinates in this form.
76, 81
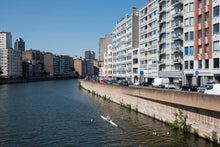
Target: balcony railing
177, 49
177, 25
177, 14
176, 2
177, 37
161, 1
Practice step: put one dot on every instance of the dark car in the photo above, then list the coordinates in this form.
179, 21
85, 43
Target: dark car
144, 84
189, 87
123, 82
108, 81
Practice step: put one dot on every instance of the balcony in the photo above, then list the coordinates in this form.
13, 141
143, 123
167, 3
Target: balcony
162, 21
177, 25
162, 31
162, 41
161, 62
177, 49
177, 14
162, 10
162, 51
177, 37
174, 3
161, 1
177, 61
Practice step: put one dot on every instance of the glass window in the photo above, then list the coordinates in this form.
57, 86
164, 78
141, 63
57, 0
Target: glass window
186, 36
186, 8
216, 46
191, 7
207, 63
192, 21
216, 28
200, 3
191, 35
186, 51
191, 64
187, 22
207, 32
191, 50
200, 18
200, 34
206, 48
207, 16
186, 64
200, 49
200, 64
216, 62
206, 2
216, 11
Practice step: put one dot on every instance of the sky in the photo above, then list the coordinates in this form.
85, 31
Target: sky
63, 27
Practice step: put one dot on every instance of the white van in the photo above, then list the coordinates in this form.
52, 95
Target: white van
160, 82
214, 89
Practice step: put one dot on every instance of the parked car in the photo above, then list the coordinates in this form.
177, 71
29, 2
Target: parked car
108, 81
137, 83
214, 89
189, 87
123, 82
144, 84
170, 86
160, 82
204, 87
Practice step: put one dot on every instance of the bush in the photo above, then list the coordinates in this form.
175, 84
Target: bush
195, 132
214, 136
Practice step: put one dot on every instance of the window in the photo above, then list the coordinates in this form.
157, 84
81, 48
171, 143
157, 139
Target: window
200, 34
200, 19
206, 2
200, 3
216, 28
191, 64
207, 63
186, 36
216, 46
216, 11
186, 64
207, 32
192, 21
191, 50
216, 62
200, 49
207, 16
191, 35
187, 22
200, 64
186, 8
191, 8
186, 51
206, 48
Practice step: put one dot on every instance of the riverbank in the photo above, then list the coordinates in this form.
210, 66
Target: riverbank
192, 112
30, 79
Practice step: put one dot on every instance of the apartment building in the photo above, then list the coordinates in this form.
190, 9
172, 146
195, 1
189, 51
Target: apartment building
19, 44
107, 68
148, 41
171, 40
125, 39
201, 41
103, 43
78, 64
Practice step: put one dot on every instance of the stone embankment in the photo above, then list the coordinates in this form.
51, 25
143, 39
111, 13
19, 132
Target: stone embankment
190, 111
31, 79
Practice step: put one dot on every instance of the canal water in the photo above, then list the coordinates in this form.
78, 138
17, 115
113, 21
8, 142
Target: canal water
58, 113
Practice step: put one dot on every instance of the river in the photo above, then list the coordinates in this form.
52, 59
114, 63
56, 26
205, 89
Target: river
58, 113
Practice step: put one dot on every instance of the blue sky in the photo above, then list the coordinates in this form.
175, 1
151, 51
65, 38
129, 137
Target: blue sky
67, 27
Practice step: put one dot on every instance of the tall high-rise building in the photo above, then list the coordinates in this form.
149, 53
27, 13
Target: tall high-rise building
5, 40
90, 55
103, 43
201, 41
171, 40
19, 44
148, 41
125, 42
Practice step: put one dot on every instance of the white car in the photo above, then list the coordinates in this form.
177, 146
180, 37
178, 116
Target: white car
170, 86
214, 89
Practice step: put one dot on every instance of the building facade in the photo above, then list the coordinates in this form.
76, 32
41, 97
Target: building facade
202, 41
103, 43
171, 40
148, 41
125, 39
90, 55
107, 68
5, 40
19, 44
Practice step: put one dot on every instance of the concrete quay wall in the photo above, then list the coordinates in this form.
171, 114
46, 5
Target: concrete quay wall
203, 111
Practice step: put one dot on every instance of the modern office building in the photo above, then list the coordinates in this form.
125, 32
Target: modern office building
125, 39
5, 40
90, 55
103, 43
148, 41
201, 41
171, 40
19, 44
